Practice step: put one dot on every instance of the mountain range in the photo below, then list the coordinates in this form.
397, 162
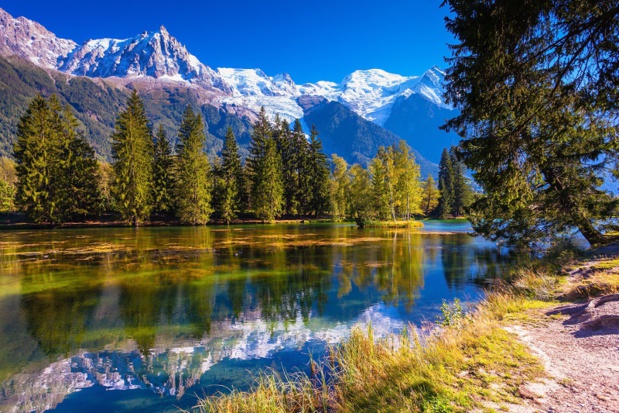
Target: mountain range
367, 109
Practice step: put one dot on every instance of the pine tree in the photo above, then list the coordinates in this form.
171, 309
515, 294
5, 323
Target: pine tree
430, 196
77, 170
57, 172
132, 151
230, 179
266, 172
340, 189
289, 153
536, 85
300, 147
163, 175
445, 185
193, 191
318, 175
462, 190
35, 150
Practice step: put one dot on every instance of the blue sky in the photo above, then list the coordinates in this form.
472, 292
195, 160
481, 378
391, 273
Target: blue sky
310, 40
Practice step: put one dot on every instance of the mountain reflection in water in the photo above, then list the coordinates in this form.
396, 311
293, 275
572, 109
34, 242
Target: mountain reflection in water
182, 311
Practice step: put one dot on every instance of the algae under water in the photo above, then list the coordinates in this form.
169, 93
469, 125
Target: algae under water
123, 319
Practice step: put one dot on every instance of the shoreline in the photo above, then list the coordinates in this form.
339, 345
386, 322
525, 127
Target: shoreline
528, 346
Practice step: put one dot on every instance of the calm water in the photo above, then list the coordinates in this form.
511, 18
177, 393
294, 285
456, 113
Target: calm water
118, 320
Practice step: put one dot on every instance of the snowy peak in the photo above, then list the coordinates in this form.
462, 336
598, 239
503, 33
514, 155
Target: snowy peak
254, 82
31, 41
154, 54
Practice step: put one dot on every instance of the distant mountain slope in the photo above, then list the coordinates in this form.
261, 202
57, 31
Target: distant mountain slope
417, 121
355, 139
97, 103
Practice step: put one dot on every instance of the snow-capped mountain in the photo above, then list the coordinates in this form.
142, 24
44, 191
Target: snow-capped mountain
31, 41
369, 93
153, 54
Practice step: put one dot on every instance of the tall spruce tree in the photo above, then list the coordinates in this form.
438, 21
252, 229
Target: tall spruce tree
265, 166
289, 153
300, 147
536, 85
163, 175
193, 190
132, 151
77, 171
445, 185
56, 169
35, 150
230, 179
318, 175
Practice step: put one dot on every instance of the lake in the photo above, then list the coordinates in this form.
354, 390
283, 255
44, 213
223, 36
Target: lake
123, 319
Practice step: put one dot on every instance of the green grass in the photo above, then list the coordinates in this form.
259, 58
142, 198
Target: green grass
390, 224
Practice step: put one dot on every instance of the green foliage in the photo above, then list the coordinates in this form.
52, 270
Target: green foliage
452, 314
430, 196
8, 178
340, 189
360, 193
133, 169
230, 180
395, 181
193, 189
56, 171
318, 176
163, 175
536, 84
445, 185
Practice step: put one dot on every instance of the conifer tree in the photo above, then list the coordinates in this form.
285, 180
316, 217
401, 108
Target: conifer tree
35, 150
132, 151
289, 153
266, 172
430, 196
340, 188
230, 179
318, 174
300, 147
193, 191
77, 170
57, 172
462, 190
445, 185
163, 175
536, 88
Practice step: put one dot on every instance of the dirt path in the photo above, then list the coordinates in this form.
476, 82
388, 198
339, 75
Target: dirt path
579, 346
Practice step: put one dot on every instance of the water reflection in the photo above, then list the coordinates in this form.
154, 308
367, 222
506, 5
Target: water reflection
175, 309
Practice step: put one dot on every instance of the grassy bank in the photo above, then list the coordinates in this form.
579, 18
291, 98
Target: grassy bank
389, 224
468, 363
